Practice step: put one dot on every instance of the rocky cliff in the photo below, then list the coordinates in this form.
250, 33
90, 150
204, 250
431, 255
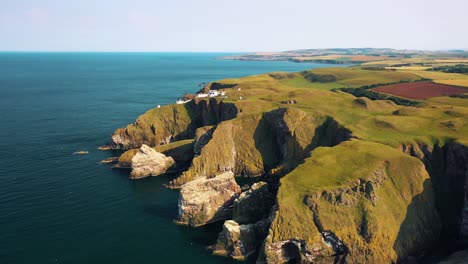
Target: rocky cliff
240, 241
172, 123
254, 204
258, 144
378, 208
448, 168
346, 179
207, 200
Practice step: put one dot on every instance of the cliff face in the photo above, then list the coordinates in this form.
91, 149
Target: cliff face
240, 241
207, 200
448, 168
378, 208
257, 144
172, 123
338, 189
254, 204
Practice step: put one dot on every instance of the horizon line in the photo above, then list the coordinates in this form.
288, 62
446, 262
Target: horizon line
210, 51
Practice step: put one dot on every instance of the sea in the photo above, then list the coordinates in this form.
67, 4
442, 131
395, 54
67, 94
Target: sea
56, 207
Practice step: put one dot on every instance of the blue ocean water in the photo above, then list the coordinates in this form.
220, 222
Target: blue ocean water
56, 207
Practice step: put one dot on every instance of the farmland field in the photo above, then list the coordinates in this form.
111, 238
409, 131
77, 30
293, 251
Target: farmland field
420, 90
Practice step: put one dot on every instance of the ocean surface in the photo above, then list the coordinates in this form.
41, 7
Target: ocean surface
56, 207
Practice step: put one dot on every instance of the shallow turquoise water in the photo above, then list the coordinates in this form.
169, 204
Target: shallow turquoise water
62, 208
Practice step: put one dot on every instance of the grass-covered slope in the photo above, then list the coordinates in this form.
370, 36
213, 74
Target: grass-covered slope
259, 144
329, 78
369, 191
171, 123
378, 200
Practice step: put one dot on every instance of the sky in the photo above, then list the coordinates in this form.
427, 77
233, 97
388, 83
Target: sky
234, 25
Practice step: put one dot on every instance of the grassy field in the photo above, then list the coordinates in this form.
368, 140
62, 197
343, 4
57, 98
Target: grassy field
378, 121
458, 82
285, 119
328, 177
352, 77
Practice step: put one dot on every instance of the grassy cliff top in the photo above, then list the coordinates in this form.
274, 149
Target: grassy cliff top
435, 120
341, 155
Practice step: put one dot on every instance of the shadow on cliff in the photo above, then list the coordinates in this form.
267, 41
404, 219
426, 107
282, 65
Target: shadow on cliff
207, 113
281, 150
421, 227
278, 144
448, 169
266, 144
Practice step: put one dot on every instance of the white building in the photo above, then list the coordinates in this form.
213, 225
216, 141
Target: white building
213, 93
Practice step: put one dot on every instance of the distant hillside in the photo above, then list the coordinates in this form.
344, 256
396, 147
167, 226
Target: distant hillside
348, 56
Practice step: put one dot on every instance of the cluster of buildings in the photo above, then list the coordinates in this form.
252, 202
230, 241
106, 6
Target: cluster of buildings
211, 93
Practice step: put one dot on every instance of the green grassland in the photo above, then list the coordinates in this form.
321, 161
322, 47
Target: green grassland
327, 178
306, 116
379, 121
350, 77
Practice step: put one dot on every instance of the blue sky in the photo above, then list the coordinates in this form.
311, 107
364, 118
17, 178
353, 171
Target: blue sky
220, 25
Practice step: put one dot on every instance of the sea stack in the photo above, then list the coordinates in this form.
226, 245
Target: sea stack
148, 162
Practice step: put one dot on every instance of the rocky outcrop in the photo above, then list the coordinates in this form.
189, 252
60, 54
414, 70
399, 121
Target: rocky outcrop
181, 151
240, 241
290, 251
254, 204
205, 200
149, 162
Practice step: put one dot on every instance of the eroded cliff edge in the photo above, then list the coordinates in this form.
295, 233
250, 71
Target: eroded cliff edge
346, 179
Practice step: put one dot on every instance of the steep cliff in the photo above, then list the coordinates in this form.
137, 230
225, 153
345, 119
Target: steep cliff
240, 241
349, 180
448, 168
172, 123
358, 202
206, 200
257, 144
254, 204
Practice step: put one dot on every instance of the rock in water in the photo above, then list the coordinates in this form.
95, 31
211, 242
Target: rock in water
240, 241
110, 160
207, 200
149, 162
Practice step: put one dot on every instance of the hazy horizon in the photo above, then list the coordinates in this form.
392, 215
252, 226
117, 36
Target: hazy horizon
202, 51
242, 26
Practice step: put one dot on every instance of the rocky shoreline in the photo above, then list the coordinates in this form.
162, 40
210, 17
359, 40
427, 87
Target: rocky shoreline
366, 213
